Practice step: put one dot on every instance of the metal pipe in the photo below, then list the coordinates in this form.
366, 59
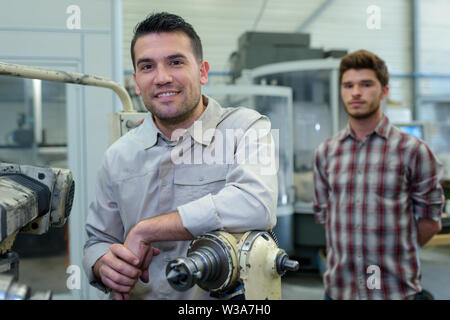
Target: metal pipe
117, 41
21, 71
415, 55
37, 110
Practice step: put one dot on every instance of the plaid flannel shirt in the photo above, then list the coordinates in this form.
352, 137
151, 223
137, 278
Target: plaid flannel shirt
369, 196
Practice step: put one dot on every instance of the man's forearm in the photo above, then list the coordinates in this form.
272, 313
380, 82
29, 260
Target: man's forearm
426, 229
166, 227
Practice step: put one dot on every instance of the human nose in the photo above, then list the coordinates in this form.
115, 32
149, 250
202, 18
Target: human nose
356, 90
162, 76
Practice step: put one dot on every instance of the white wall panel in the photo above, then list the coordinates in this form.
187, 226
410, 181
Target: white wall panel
219, 23
22, 44
434, 54
344, 25
36, 33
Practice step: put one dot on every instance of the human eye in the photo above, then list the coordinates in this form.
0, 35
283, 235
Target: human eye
347, 85
367, 84
176, 62
146, 67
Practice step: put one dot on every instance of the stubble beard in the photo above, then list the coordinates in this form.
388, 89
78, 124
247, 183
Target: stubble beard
373, 109
184, 111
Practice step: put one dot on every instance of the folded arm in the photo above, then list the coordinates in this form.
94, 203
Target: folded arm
426, 193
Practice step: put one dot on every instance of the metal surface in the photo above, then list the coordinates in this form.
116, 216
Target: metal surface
285, 264
9, 264
291, 66
219, 263
211, 263
19, 204
258, 266
21, 71
37, 110
10, 289
31, 200
122, 122
18, 207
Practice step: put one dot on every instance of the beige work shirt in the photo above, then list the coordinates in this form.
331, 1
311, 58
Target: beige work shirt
220, 175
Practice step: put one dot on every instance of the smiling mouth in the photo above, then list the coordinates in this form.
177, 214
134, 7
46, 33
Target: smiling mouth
166, 94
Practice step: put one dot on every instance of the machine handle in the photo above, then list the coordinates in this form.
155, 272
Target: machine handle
285, 264
21, 71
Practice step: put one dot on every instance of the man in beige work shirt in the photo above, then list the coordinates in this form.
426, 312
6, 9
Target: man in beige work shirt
178, 175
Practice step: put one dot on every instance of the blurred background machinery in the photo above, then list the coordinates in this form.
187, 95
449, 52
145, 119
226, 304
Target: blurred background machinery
310, 113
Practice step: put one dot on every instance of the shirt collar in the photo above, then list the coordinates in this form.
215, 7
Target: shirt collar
383, 129
202, 130
151, 131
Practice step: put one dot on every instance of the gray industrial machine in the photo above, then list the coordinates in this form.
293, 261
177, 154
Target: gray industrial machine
288, 60
257, 49
31, 200
317, 115
275, 102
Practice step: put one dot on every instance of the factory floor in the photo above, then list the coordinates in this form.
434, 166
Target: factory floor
49, 273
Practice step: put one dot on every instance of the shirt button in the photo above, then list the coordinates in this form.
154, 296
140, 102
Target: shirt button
359, 171
357, 200
201, 179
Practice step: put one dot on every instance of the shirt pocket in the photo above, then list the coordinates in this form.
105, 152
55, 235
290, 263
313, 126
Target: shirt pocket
195, 181
393, 182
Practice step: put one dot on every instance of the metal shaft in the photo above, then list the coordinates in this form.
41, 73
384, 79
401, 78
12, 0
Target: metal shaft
21, 71
285, 264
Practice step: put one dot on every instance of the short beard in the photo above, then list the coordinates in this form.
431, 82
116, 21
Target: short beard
170, 120
366, 115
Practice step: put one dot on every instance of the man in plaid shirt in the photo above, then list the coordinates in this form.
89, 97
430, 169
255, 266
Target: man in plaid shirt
377, 193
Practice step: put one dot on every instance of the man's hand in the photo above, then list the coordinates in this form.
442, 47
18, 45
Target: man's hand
138, 252
427, 228
143, 250
118, 269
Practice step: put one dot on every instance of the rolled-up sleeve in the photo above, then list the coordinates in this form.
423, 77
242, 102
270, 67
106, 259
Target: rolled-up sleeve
103, 216
248, 201
321, 187
426, 192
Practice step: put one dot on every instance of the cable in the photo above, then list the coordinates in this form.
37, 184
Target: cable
261, 12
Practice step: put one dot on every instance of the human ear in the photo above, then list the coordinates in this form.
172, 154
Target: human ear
204, 69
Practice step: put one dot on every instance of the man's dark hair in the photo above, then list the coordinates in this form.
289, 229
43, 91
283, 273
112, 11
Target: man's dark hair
363, 59
167, 22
